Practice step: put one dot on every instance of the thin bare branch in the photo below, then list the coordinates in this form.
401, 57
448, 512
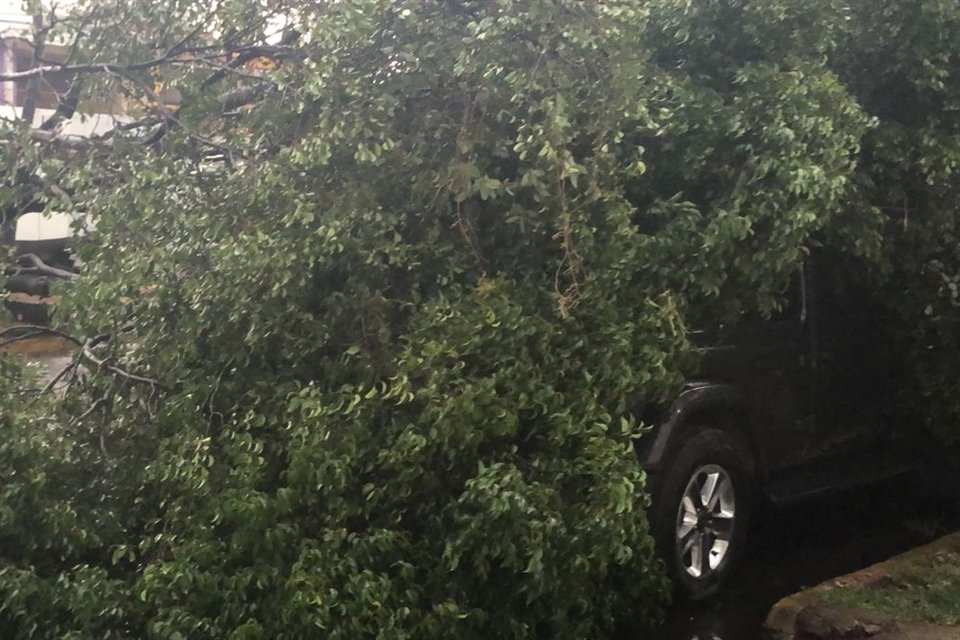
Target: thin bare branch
20, 338
55, 380
181, 44
40, 329
35, 261
100, 402
157, 106
106, 366
66, 107
250, 51
73, 142
241, 96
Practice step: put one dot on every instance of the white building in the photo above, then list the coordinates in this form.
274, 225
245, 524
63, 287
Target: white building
16, 54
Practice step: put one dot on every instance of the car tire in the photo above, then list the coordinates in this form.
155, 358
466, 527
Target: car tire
700, 511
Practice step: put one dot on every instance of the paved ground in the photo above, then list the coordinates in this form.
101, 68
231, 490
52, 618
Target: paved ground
48, 365
46, 354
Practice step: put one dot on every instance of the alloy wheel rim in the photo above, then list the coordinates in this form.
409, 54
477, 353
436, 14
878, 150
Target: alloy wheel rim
705, 521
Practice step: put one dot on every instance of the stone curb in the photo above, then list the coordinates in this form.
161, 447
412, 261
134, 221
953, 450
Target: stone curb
803, 617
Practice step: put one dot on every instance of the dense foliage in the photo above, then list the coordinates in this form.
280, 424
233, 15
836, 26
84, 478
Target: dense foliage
901, 65
392, 313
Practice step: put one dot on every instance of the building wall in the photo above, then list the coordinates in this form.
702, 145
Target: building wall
15, 29
79, 125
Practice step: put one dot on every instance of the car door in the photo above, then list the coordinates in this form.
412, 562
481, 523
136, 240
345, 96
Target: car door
769, 358
855, 370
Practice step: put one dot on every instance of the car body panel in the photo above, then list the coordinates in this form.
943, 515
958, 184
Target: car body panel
803, 387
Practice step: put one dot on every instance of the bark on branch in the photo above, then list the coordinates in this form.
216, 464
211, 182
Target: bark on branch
42, 267
36, 329
105, 365
67, 106
24, 331
169, 57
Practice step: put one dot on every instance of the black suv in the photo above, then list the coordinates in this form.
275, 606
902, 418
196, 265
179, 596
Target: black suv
782, 408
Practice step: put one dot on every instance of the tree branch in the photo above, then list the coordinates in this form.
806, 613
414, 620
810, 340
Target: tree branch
73, 364
43, 267
172, 119
251, 51
66, 107
33, 85
46, 137
235, 98
25, 336
40, 329
100, 402
105, 365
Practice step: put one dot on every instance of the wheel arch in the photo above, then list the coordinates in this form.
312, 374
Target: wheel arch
716, 405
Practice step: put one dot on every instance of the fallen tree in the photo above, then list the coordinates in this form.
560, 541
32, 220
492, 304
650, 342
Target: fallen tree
382, 315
